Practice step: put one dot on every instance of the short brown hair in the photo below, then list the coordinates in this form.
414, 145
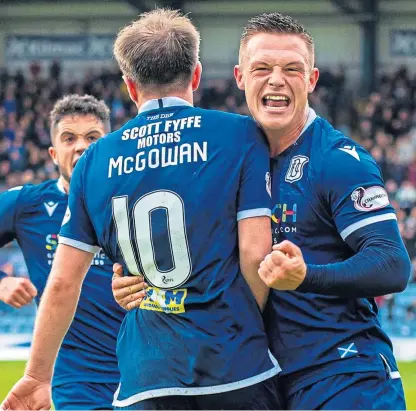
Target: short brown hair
74, 104
276, 23
160, 48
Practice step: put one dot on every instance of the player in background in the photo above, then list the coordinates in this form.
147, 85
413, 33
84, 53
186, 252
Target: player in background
86, 373
183, 195
335, 235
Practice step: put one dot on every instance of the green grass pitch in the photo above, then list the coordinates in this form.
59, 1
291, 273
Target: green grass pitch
11, 371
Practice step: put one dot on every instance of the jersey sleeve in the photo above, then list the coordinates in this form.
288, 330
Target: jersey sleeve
77, 229
9, 201
354, 189
254, 197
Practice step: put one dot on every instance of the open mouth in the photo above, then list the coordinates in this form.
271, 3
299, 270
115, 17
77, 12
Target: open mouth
278, 102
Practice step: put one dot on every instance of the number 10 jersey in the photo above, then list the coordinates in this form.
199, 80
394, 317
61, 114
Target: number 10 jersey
163, 196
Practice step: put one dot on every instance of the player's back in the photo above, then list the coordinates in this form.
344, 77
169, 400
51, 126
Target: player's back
177, 179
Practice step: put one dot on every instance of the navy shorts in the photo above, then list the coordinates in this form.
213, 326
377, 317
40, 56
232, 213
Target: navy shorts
261, 396
375, 390
83, 396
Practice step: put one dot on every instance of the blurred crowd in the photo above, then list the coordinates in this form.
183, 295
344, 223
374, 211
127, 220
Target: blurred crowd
384, 123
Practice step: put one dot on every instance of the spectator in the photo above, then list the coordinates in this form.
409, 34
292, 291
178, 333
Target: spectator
406, 195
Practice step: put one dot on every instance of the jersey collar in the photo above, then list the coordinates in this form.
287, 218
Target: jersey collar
163, 102
311, 118
60, 186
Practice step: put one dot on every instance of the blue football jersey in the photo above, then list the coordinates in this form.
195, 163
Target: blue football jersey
325, 187
32, 214
163, 195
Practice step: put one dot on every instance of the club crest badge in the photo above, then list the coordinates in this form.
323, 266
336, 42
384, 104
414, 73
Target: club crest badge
295, 171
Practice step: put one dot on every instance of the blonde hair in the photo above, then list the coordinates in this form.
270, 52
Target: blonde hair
160, 48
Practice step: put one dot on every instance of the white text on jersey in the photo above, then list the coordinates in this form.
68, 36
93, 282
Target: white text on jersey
160, 134
159, 157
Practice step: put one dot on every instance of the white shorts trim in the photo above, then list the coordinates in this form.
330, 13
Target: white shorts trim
394, 375
215, 389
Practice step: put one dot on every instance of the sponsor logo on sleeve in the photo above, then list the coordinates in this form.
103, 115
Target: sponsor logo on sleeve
369, 199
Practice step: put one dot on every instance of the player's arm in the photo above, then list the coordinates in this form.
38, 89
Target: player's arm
254, 242
57, 309
367, 223
14, 291
254, 202
72, 260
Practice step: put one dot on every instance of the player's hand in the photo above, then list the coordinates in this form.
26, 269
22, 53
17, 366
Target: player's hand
28, 394
284, 268
17, 292
127, 291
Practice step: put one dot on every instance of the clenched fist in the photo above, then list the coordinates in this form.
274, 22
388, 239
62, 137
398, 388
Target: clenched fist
17, 292
284, 268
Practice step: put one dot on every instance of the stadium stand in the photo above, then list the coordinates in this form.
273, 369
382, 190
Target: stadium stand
384, 123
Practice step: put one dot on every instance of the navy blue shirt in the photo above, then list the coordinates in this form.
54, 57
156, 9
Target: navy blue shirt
325, 187
163, 195
32, 214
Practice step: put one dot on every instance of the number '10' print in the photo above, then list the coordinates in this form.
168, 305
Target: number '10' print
142, 239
